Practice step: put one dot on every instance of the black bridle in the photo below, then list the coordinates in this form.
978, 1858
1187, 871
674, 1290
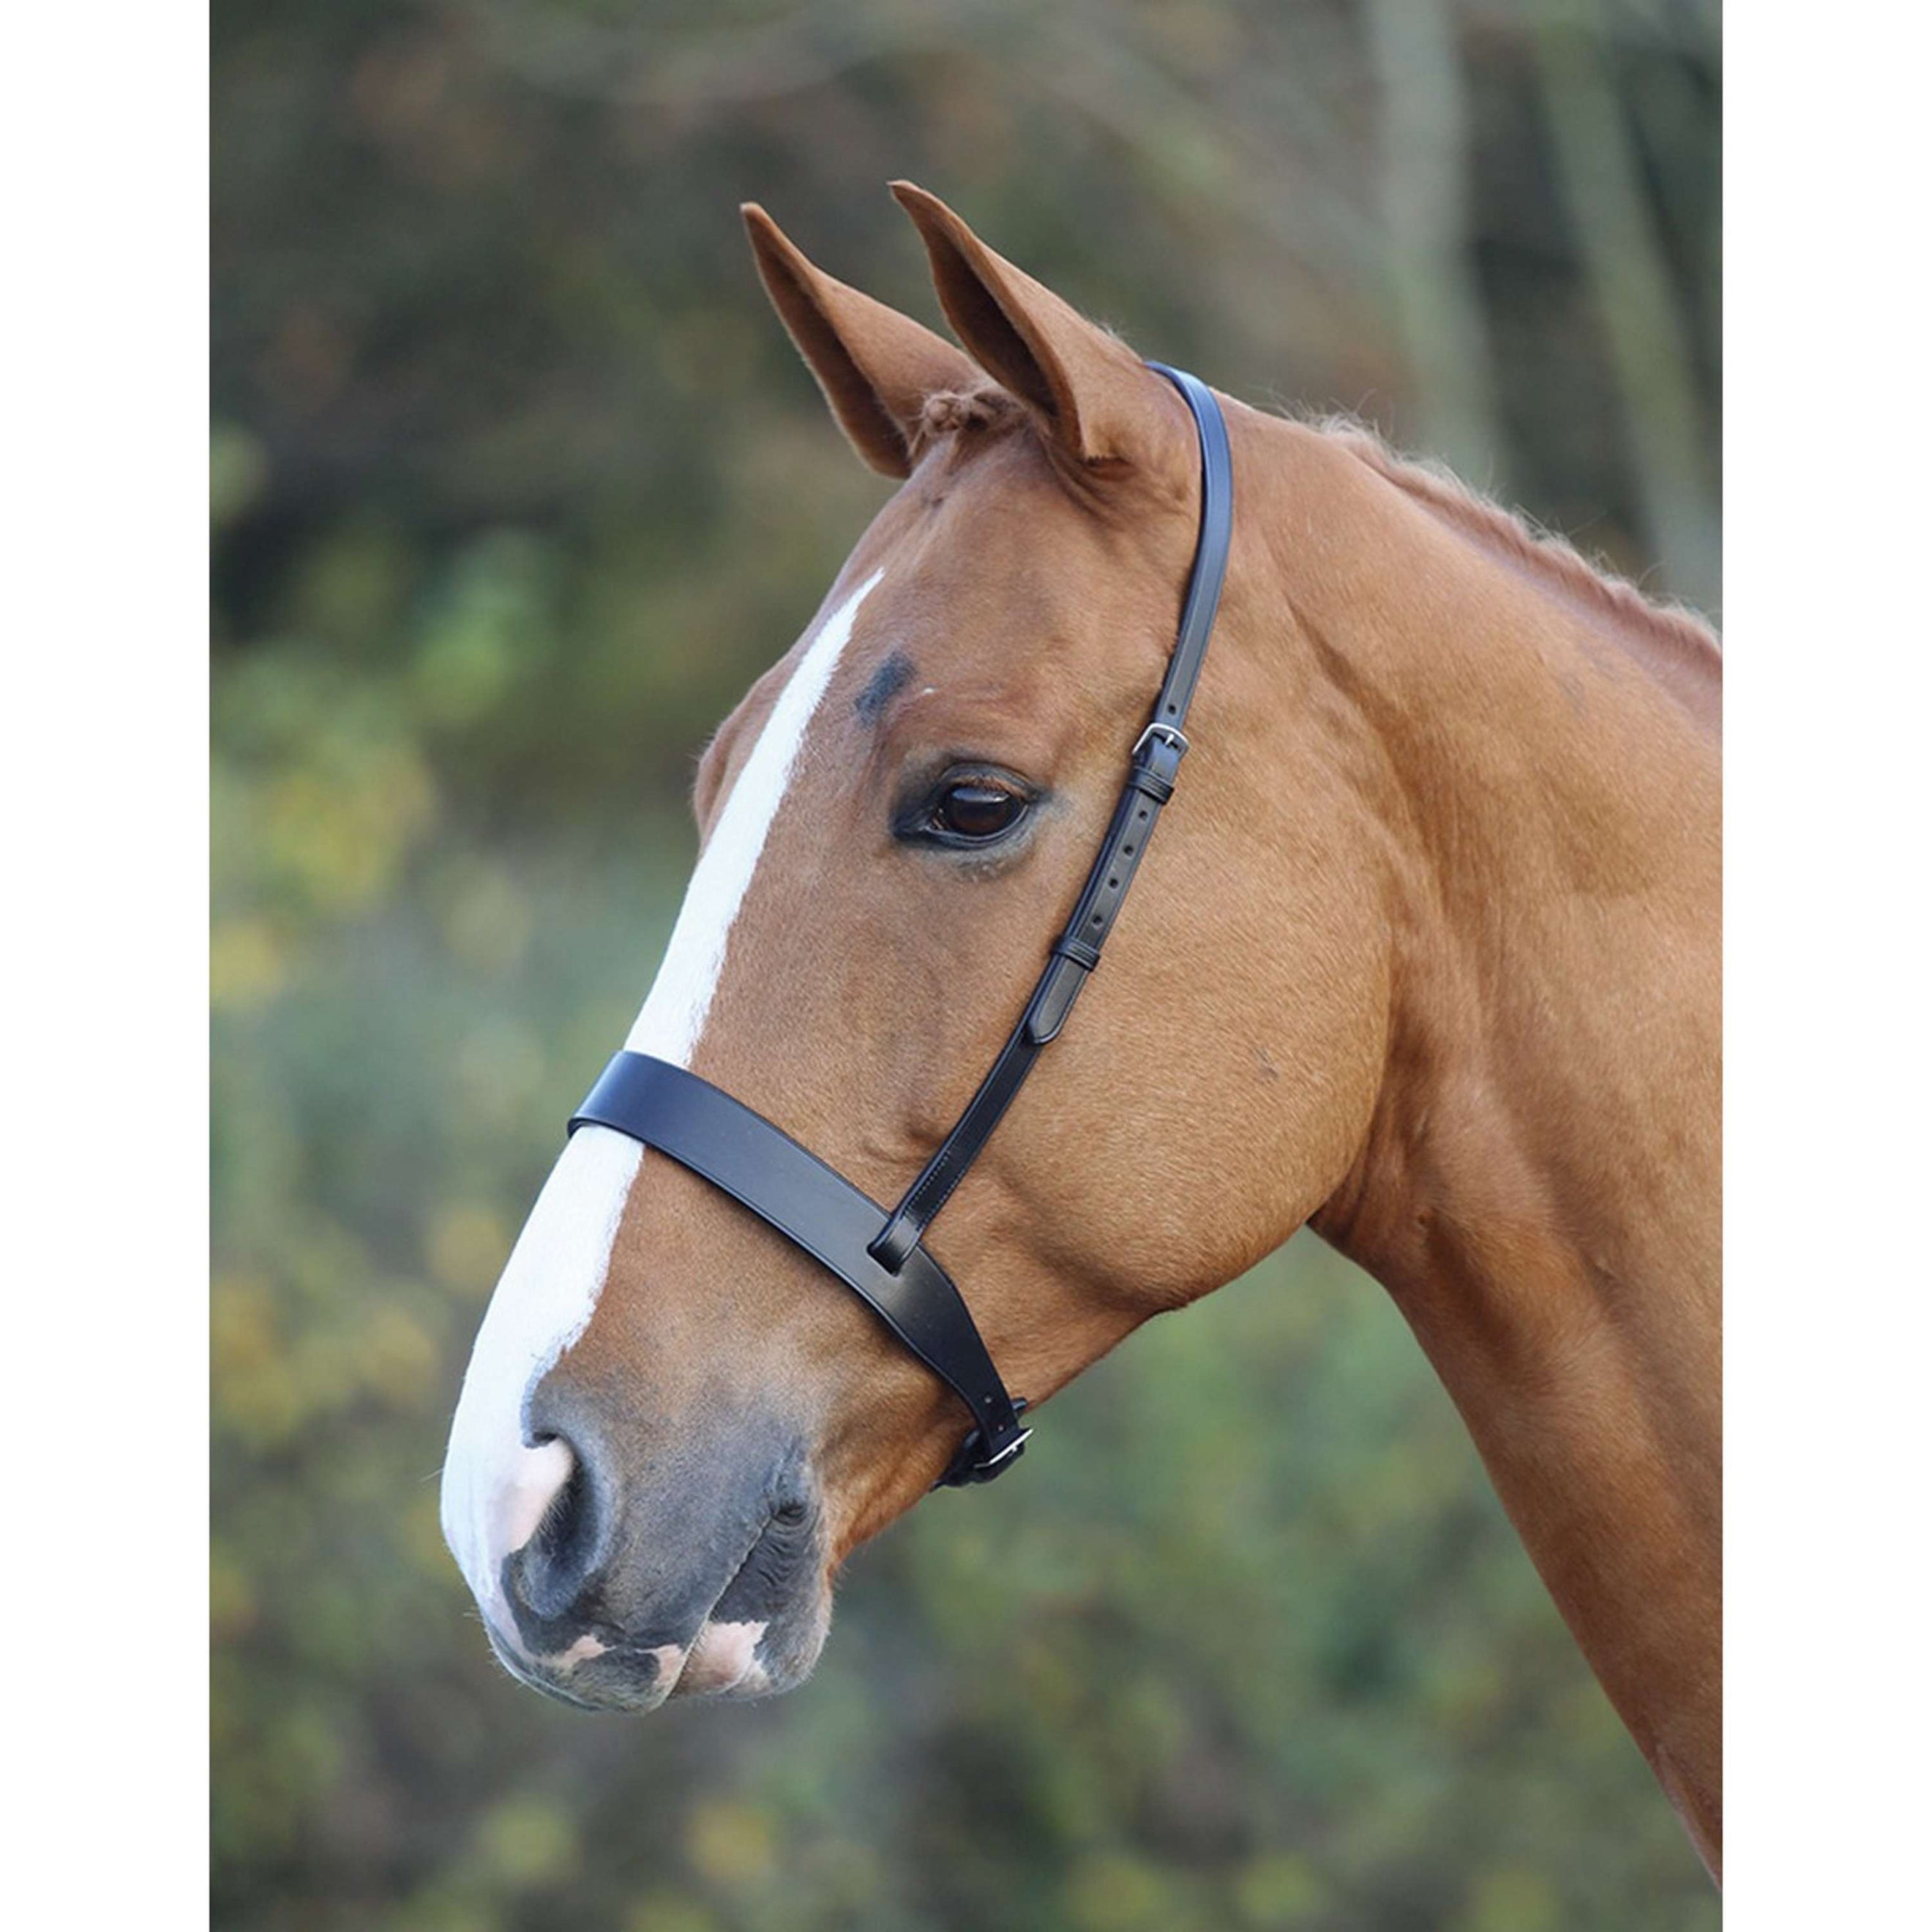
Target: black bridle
881, 1256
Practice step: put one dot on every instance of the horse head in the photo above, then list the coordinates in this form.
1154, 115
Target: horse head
675, 1426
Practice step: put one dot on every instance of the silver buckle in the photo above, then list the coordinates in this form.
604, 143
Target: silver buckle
1172, 733
1013, 1448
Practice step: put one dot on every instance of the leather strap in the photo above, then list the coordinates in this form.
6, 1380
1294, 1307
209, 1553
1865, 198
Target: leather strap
739, 1151
1155, 767
701, 1127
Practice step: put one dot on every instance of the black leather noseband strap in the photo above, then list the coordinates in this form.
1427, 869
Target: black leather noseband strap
881, 1257
701, 1127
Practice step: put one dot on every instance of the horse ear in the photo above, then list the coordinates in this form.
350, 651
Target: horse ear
876, 367
1094, 398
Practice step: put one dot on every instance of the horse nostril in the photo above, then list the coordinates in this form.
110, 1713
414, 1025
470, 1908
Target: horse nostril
540, 1474
547, 1572
564, 1515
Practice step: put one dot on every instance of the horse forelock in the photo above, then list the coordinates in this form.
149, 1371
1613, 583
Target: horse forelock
951, 411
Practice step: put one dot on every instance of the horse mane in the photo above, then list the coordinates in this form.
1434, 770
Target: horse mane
1684, 636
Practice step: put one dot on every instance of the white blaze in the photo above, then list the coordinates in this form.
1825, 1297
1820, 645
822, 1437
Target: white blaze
494, 1486
680, 997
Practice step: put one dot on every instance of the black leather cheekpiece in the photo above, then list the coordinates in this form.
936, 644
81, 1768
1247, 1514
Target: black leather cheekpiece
881, 1256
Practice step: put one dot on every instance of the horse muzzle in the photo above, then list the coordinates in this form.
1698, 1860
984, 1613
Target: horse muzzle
613, 1581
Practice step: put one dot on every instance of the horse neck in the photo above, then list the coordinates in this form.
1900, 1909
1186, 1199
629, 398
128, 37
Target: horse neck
1537, 1188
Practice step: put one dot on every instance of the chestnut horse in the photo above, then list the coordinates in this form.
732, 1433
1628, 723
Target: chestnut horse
1426, 956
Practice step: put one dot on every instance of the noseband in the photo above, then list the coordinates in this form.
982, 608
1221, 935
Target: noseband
880, 1255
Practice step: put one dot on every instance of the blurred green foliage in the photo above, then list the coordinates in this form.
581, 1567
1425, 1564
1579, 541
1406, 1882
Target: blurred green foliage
515, 486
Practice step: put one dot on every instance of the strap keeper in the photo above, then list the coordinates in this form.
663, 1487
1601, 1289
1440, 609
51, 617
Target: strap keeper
1156, 762
1083, 953
891, 1247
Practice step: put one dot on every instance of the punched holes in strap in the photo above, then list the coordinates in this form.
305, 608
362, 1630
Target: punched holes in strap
1156, 762
1153, 765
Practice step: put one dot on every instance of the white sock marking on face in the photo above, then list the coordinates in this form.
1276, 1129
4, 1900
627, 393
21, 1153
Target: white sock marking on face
494, 1487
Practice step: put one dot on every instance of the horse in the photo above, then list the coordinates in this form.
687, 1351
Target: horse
1425, 957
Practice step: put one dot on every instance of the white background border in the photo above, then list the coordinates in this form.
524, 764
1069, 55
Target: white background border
103, 157
1828, 965
103, 1243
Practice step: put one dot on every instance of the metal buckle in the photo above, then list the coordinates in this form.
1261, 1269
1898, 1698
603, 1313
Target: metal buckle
965, 1475
1172, 733
963, 1472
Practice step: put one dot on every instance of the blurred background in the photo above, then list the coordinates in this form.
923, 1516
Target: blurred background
517, 485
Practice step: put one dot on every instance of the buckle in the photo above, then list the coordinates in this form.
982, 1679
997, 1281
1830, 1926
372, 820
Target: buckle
986, 1471
966, 1468
965, 1471
1172, 733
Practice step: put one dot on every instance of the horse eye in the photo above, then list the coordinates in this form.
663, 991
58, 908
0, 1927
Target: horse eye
975, 811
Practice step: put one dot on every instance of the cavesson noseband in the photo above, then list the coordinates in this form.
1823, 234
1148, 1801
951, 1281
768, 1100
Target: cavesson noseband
881, 1256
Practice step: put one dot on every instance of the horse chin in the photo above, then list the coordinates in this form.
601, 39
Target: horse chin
738, 1657
748, 1659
